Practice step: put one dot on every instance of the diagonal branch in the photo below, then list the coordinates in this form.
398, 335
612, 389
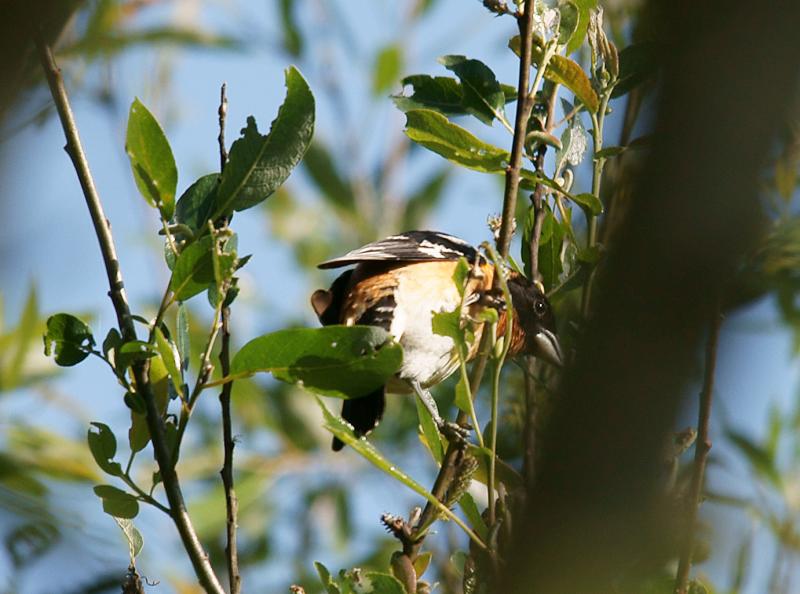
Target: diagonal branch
155, 425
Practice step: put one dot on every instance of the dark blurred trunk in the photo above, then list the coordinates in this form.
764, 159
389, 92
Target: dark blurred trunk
595, 512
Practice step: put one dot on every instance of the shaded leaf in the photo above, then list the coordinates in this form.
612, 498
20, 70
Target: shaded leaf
196, 204
590, 203
638, 63
372, 583
258, 164
439, 93
322, 170
757, 456
151, 160
339, 361
68, 338
103, 446
117, 502
474, 516
325, 577
482, 95
436, 133
292, 39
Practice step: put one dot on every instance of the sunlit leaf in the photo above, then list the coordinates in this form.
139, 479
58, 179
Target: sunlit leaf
430, 431
339, 361
171, 358
258, 164
436, 133
132, 535
577, 37
194, 270
151, 159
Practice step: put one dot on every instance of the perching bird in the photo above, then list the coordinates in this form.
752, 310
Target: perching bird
397, 284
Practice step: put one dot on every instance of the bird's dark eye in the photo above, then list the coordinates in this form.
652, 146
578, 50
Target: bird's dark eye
540, 307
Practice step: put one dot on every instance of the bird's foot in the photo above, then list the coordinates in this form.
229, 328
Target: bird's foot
455, 433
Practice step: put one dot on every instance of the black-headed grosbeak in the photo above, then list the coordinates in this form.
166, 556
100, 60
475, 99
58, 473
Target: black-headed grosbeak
398, 283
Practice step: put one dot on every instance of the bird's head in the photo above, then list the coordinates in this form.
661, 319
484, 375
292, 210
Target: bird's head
534, 330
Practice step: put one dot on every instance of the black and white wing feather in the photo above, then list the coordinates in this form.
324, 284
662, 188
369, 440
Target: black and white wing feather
411, 246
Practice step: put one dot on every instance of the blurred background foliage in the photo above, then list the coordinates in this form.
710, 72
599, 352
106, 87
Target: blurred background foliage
361, 179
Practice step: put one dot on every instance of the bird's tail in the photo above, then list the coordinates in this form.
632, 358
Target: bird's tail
363, 414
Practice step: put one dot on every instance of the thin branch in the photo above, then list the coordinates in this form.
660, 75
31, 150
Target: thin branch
702, 447
231, 502
177, 507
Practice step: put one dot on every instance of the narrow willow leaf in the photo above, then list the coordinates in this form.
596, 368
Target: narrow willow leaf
68, 339
470, 510
343, 430
326, 579
589, 203
436, 133
339, 361
430, 432
151, 160
171, 358
258, 165
578, 36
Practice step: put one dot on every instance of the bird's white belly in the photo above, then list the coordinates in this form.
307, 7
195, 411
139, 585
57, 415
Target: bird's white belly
427, 357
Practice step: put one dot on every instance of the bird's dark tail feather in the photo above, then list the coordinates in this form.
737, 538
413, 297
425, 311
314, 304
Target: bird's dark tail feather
363, 414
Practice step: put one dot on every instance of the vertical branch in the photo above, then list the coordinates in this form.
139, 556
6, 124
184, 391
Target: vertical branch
231, 502
177, 507
701, 449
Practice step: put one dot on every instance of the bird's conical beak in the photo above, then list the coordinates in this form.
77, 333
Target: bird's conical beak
547, 348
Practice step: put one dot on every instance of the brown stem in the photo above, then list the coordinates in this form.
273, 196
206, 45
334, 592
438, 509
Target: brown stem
702, 447
231, 501
155, 425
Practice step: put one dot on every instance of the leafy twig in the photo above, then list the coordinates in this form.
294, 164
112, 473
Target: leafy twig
231, 502
155, 425
702, 447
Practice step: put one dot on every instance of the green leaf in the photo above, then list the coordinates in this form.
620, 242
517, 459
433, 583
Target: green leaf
439, 93
422, 562
27, 329
341, 429
388, 65
194, 270
135, 350
196, 204
433, 131
590, 203
257, 164
610, 151
568, 23
132, 535
68, 338
448, 323
482, 95
117, 502
325, 577
373, 583
339, 361
506, 473
103, 446
151, 159
183, 344
584, 8
550, 266
470, 510
565, 72
429, 431
171, 359
462, 397
112, 341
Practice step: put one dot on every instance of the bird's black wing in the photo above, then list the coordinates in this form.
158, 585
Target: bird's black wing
411, 246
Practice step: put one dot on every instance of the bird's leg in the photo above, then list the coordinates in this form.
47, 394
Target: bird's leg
452, 431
